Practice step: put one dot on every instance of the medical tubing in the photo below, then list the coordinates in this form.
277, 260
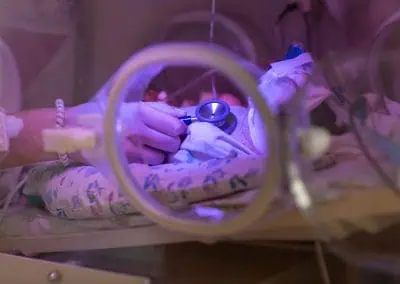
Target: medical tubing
210, 57
229, 24
376, 53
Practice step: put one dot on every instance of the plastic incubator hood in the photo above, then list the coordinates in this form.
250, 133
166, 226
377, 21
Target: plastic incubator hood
9, 80
44, 16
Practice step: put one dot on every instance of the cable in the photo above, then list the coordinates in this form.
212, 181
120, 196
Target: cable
192, 83
226, 25
290, 8
293, 246
10, 197
211, 40
379, 170
323, 267
309, 37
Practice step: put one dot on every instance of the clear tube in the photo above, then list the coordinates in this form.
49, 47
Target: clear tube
353, 203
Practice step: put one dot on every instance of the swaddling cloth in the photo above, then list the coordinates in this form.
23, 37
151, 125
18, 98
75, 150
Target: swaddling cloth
211, 165
84, 193
206, 141
278, 86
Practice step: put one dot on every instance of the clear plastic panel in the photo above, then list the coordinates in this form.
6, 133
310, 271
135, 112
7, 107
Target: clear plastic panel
352, 201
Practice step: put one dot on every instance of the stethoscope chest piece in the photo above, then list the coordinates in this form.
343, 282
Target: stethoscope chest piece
218, 113
213, 111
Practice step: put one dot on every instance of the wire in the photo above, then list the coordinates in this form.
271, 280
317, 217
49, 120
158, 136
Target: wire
192, 83
288, 9
316, 247
309, 36
323, 267
379, 170
211, 40
292, 7
292, 246
10, 197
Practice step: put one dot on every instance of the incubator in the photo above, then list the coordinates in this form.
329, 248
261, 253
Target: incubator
279, 122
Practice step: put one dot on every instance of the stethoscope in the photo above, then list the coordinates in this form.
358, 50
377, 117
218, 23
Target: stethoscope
216, 112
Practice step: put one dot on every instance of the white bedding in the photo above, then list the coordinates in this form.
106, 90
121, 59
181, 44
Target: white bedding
30, 222
32, 230
329, 183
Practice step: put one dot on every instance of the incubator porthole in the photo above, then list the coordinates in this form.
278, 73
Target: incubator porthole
212, 57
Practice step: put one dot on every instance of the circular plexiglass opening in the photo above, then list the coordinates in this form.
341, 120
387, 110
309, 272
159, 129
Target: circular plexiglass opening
220, 166
353, 194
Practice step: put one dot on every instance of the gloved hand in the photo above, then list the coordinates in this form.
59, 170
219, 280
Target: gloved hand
152, 129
